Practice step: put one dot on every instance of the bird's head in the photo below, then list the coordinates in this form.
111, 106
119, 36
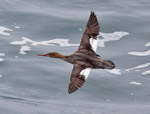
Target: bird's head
52, 54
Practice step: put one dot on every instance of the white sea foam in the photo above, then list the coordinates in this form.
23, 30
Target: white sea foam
16, 57
1, 59
3, 30
2, 54
0, 76
17, 27
148, 44
24, 41
135, 83
65, 42
114, 71
139, 67
145, 53
146, 72
108, 100
111, 37
23, 49
61, 42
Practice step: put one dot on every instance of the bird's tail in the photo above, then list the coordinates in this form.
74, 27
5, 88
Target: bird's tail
107, 64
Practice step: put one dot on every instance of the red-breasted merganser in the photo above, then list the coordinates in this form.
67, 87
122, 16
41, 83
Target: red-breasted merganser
85, 57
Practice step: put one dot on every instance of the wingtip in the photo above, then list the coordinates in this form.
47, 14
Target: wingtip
76, 83
69, 92
93, 25
92, 12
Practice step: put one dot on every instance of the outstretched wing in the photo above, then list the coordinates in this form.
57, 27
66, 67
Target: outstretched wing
88, 45
89, 41
90, 35
76, 80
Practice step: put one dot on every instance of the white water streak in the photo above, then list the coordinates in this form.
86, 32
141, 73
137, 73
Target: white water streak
23, 49
61, 42
3, 30
135, 83
148, 44
145, 53
1, 59
139, 67
114, 71
146, 72
111, 37
2, 54
65, 42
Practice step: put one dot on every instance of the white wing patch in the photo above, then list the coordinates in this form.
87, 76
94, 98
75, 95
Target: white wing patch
94, 44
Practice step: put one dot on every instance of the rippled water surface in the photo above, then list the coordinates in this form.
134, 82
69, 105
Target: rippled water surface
36, 85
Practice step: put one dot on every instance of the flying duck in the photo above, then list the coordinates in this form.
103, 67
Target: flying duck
85, 58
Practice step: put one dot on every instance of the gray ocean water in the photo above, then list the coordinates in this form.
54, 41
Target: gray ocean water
30, 84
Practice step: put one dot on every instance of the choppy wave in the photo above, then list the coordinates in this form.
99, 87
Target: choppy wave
3, 30
1, 59
114, 71
61, 42
65, 42
17, 27
145, 53
148, 44
146, 72
16, 57
135, 83
23, 49
2, 54
139, 67
142, 66
111, 37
